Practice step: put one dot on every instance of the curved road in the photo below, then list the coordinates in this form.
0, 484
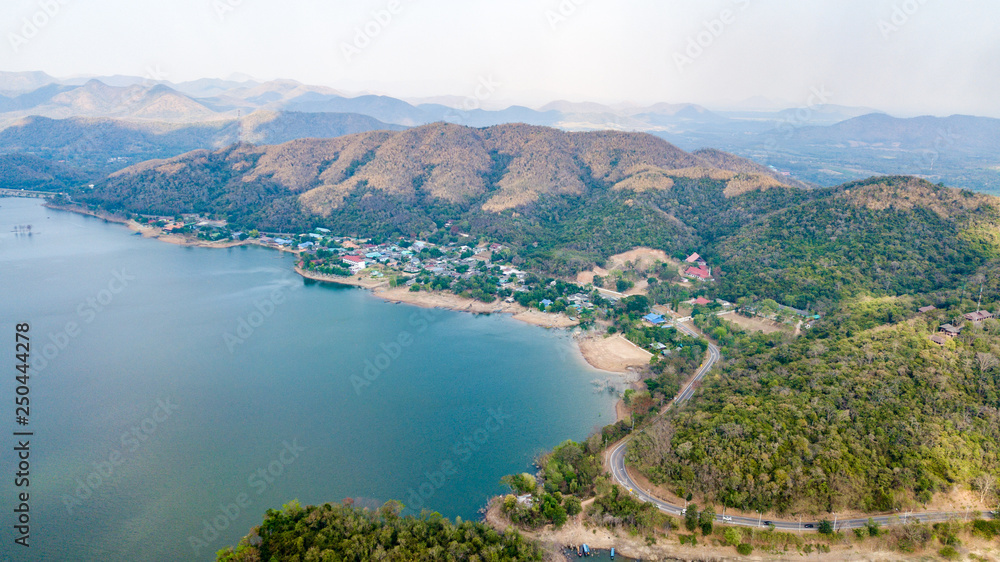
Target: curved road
621, 475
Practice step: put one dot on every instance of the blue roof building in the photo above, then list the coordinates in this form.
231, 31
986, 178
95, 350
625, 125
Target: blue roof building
654, 319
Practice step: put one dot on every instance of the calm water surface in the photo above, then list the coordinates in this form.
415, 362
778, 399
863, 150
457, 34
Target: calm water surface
177, 393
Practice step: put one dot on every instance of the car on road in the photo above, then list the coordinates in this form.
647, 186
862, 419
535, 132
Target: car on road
726, 518
768, 523
808, 525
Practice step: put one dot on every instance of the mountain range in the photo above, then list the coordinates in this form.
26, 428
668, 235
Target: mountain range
819, 145
565, 201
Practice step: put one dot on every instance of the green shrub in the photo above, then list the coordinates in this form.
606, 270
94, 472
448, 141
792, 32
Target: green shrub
949, 553
744, 548
985, 529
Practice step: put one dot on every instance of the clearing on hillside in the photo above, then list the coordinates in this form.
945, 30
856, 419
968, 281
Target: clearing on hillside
755, 324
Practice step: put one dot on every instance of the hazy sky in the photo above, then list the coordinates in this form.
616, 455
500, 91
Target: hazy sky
901, 56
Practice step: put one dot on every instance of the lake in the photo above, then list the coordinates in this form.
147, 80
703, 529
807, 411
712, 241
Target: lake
177, 393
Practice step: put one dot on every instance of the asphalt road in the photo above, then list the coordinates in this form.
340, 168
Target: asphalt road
617, 461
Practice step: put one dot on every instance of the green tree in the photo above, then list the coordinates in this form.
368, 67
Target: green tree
523, 483
691, 517
733, 536
825, 527
706, 519
573, 505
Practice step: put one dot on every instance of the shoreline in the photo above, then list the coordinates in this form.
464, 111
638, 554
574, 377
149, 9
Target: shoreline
612, 354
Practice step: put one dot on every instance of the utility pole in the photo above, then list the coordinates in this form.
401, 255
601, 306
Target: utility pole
834, 522
758, 518
979, 304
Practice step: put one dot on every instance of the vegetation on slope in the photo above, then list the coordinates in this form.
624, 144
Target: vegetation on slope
23, 171
530, 187
343, 533
877, 419
884, 236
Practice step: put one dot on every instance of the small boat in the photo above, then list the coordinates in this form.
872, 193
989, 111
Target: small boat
586, 550
612, 553
579, 552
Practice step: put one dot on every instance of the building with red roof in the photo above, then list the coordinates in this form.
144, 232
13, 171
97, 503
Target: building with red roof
699, 272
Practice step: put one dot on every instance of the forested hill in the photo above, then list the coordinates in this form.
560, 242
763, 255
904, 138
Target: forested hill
884, 236
405, 181
565, 201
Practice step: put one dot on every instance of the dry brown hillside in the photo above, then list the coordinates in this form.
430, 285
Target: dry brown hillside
497, 168
751, 174
906, 193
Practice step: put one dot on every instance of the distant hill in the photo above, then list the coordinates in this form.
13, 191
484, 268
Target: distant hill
962, 151
111, 144
821, 144
97, 99
22, 171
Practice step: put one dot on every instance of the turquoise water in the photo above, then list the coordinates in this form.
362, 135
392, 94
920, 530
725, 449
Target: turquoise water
177, 393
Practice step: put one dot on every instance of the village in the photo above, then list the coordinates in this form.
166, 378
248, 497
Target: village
484, 271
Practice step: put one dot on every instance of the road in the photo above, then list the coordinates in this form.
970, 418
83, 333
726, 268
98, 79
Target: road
621, 475
713, 356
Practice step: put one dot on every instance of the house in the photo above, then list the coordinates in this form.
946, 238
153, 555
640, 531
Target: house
355, 263
699, 272
658, 346
545, 303
693, 258
949, 330
701, 301
926, 309
978, 316
654, 319
938, 339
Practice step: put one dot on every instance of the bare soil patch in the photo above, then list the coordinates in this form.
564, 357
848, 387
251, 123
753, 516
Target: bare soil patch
755, 324
614, 353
